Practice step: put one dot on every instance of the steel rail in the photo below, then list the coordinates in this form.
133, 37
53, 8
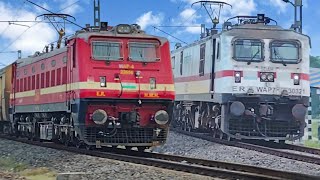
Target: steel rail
302, 149
259, 148
179, 163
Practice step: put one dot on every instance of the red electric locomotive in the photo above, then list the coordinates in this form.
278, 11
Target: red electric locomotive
106, 87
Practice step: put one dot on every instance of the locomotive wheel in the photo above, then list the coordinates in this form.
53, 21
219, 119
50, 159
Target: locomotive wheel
141, 148
89, 147
128, 148
78, 143
66, 140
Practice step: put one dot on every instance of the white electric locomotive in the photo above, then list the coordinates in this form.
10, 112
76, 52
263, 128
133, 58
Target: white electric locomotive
250, 81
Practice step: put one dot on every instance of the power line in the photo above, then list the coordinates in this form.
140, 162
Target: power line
29, 22
170, 35
33, 26
14, 17
53, 13
167, 26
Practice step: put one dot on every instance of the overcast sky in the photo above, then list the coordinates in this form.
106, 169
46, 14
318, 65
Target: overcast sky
147, 13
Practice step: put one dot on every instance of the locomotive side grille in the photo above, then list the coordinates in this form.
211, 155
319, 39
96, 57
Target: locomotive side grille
124, 136
268, 128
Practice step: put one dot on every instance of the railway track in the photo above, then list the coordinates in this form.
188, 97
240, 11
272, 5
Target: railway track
179, 163
263, 149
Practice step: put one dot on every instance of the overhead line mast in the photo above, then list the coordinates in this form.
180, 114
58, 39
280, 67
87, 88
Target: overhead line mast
96, 10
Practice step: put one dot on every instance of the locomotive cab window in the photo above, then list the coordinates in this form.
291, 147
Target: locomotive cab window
105, 50
284, 51
143, 51
249, 50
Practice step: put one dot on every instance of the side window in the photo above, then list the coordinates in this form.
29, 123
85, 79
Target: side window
38, 81
181, 62
202, 59
21, 85
58, 76
64, 75
25, 84
42, 80
53, 78
29, 83
48, 79
33, 82
18, 85
173, 61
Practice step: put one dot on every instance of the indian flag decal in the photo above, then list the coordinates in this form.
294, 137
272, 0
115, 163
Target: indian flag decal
129, 86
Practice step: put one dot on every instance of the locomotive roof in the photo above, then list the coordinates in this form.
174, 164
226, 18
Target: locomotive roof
39, 56
84, 35
264, 32
256, 30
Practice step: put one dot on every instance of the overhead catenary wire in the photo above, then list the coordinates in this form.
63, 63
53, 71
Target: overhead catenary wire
169, 35
53, 13
29, 22
180, 25
5, 29
3, 50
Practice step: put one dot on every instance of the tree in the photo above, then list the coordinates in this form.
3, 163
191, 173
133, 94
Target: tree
315, 61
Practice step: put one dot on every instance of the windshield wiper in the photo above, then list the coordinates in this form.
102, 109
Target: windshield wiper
249, 62
279, 57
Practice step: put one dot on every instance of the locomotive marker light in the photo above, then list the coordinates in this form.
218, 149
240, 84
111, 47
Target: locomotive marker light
138, 74
161, 117
99, 116
103, 82
237, 108
152, 83
296, 79
237, 77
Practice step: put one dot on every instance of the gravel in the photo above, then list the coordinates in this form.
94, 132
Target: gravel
178, 144
95, 168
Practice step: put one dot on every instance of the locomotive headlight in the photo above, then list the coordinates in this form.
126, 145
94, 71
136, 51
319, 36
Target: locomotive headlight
99, 116
237, 77
124, 29
296, 79
270, 77
263, 77
267, 76
161, 117
152, 83
103, 81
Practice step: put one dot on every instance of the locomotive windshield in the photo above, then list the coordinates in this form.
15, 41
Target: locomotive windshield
104, 50
284, 52
248, 50
143, 52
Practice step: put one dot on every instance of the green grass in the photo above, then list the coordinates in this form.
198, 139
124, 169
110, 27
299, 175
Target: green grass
38, 174
11, 165
312, 143
315, 125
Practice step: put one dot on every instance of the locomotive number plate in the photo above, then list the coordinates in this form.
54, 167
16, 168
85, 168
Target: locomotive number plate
151, 95
129, 72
